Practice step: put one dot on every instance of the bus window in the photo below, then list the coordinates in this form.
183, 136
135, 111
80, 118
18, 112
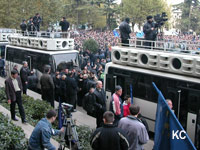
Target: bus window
39, 60
2, 51
110, 83
68, 60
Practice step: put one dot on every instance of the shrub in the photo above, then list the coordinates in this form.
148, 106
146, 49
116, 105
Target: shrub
90, 45
84, 134
11, 136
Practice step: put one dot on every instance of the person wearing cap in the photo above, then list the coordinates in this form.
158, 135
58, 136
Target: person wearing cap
13, 90
150, 31
125, 30
116, 105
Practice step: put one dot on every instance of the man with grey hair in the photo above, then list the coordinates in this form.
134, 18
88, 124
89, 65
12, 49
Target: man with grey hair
134, 128
100, 103
24, 73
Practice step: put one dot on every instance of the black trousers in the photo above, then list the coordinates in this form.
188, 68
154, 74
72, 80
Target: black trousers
99, 119
20, 106
48, 95
125, 42
24, 85
73, 100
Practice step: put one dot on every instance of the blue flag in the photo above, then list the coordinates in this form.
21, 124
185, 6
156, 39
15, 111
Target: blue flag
60, 121
116, 34
169, 134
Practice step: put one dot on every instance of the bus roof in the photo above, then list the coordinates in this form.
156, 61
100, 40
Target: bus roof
43, 51
152, 72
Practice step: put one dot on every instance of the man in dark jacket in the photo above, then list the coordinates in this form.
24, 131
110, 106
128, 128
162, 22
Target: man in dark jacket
88, 103
109, 137
100, 103
64, 24
24, 73
150, 31
32, 81
30, 26
57, 83
125, 30
47, 86
23, 26
13, 89
36, 21
72, 89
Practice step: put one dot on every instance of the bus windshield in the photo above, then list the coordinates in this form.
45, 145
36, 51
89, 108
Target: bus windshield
68, 60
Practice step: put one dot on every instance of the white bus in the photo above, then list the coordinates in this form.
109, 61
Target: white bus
37, 55
175, 74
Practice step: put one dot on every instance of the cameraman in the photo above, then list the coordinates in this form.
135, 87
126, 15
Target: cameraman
150, 31
41, 135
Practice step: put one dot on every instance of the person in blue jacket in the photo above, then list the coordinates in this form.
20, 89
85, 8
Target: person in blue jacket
41, 135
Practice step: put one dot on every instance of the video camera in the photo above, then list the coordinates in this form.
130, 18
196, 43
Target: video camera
67, 107
160, 19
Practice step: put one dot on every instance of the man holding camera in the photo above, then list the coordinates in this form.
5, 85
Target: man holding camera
150, 31
41, 135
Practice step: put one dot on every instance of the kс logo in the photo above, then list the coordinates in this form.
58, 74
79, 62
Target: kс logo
178, 134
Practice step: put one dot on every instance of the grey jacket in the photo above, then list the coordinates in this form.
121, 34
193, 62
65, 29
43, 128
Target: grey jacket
136, 132
46, 81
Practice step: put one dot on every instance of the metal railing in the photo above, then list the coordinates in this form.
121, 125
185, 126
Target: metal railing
170, 46
7, 30
45, 34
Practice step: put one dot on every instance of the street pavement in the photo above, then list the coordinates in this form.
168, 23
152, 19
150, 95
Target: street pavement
80, 116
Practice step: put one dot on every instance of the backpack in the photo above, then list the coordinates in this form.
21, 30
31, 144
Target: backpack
88, 105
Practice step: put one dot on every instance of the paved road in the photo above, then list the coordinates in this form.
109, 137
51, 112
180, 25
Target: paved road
81, 118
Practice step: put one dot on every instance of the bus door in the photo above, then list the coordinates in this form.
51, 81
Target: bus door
111, 82
193, 114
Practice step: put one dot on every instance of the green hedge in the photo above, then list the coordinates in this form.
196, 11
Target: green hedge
11, 137
36, 109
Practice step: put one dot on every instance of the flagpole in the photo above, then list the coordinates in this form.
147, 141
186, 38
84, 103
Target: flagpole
131, 93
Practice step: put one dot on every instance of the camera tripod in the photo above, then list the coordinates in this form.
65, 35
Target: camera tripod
69, 139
